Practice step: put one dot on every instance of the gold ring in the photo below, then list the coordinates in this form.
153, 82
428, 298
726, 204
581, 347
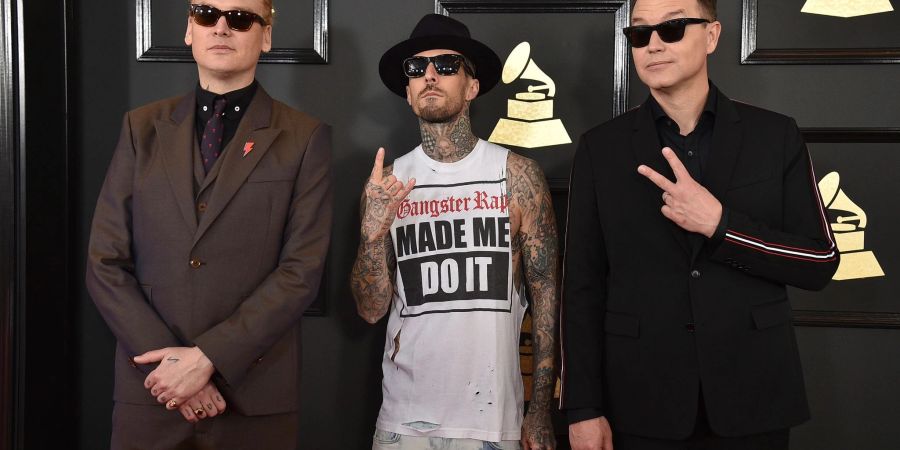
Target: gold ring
199, 411
172, 403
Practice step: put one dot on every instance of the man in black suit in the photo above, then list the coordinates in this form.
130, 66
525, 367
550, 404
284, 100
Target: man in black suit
688, 217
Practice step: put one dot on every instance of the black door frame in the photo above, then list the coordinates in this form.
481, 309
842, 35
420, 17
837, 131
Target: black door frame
37, 386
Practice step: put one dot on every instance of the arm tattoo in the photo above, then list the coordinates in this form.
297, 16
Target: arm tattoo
372, 277
537, 244
448, 141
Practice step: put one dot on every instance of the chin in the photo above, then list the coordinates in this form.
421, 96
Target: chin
659, 83
436, 116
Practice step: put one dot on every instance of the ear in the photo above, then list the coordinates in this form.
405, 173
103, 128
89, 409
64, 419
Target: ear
713, 31
408, 96
472, 89
188, 33
267, 39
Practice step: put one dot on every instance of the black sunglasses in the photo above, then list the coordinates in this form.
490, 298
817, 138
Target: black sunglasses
237, 20
446, 64
669, 31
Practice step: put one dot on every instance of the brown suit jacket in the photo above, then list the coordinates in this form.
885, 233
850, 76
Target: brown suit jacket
230, 271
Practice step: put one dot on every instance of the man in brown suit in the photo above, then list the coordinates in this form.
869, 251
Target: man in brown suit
208, 243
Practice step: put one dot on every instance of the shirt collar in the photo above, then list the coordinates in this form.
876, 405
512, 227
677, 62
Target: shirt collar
709, 108
236, 102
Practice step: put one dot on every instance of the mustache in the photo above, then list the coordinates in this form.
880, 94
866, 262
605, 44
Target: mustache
430, 88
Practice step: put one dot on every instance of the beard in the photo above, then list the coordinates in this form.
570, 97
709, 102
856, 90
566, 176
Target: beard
434, 112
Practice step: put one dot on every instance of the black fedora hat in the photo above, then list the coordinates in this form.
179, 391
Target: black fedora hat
435, 31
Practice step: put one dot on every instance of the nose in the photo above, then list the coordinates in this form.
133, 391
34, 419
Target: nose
431, 74
221, 27
656, 43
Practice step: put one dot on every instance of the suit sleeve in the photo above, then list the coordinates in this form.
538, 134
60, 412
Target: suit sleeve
110, 275
277, 304
802, 252
584, 295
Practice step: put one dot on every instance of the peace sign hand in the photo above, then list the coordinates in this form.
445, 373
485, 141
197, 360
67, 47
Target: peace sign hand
383, 197
686, 202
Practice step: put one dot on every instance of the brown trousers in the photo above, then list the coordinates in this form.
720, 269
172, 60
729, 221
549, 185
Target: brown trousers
145, 427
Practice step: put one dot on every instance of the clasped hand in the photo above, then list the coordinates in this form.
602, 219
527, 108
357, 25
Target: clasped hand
181, 381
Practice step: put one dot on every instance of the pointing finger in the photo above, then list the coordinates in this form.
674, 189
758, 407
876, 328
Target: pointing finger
657, 179
379, 166
678, 168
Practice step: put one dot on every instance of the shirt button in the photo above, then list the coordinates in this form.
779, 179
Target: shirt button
201, 207
206, 108
237, 108
690, 153
695, 273
196, 263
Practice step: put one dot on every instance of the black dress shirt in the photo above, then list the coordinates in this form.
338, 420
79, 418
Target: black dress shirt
693, 150
236, 103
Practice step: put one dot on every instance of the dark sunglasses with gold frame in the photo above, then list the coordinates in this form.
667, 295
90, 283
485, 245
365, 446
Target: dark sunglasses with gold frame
237, 20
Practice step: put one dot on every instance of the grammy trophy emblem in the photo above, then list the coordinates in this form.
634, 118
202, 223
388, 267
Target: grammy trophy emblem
529, 122
849, 232
846, 8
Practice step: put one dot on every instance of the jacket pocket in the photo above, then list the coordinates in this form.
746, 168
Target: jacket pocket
622, 324
772, 314
752, 181
267, 174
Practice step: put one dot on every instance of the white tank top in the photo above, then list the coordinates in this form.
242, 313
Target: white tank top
455, 372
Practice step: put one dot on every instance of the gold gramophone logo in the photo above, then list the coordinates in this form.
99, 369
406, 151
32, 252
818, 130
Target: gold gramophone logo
529, 122
846, 8
849, 232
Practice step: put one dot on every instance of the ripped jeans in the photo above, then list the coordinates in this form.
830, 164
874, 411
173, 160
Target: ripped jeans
386, 440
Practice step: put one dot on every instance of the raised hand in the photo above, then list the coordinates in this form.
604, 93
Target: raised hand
383, 197
686, 202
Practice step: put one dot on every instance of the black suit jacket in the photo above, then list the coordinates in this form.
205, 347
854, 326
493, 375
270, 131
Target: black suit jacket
652, 313
234, 280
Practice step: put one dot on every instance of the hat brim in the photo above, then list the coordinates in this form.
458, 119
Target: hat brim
487, 63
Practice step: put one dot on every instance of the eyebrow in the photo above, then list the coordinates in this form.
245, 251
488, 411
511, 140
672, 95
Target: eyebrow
671, 15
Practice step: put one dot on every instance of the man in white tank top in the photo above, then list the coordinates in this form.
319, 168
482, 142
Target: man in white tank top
451, 234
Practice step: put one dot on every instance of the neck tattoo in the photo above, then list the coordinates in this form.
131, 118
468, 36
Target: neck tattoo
450, 141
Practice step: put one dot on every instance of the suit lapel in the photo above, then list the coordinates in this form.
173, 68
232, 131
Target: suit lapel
723, 156
176, 137
236, 166
647, 151
726, 147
